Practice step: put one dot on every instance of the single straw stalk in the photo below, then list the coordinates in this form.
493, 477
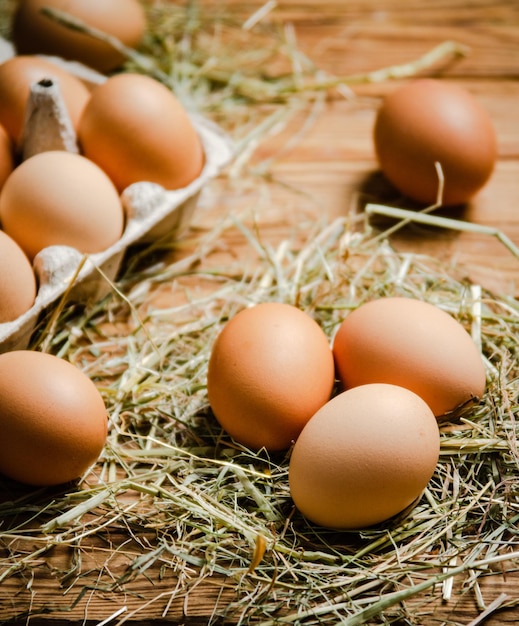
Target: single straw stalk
419, 217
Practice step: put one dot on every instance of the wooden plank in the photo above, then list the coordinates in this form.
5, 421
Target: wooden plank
91, 582
175, 592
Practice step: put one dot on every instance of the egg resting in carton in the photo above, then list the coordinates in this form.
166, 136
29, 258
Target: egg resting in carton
151, 212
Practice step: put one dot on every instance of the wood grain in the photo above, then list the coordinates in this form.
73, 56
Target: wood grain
333, 169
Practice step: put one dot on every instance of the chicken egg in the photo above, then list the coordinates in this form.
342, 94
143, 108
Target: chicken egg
414, 344
135, 129
61, 198
364, 457
52, 418
18, 286
6, 156
429, 121
18, 73
33, 32
270, 369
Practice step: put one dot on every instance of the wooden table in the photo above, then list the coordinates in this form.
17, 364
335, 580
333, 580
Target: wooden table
335, 160
321, 164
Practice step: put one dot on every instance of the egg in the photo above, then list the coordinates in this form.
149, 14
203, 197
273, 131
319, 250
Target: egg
33, 32
137, 130
6, 156
52, 418
428, 121
270, 369
61, 198
364, 457
414, 344
18, 286
17, 74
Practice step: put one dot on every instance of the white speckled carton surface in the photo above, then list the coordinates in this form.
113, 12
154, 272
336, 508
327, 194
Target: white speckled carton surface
152, 212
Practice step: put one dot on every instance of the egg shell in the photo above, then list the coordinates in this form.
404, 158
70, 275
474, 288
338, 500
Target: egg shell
364, 457
35, 33
427, 121
18, 73
60, 198
52, 418
18, 284
270, 369
414, 344
135, 129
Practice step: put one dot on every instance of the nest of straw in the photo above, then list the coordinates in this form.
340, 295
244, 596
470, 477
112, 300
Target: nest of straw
188, 500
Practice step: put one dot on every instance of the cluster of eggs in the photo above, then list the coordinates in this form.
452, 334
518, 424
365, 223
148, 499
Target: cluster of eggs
364, 454
126, 129
365, 451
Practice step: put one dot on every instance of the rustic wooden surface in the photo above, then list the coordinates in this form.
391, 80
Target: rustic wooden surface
332, 165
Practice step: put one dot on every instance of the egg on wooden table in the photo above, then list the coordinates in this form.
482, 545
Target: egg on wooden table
52, 417
364, 457
18, 73
33, 32
429, 121
414, 344
18, 286
135, 129
61, 198
270, 369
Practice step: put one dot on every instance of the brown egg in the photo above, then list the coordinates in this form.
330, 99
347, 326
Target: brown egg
35, 33
364, 457
413, 344
52, 418
270, 369
18, 285
16, 77
428, 121
136, 130
60, 198
6, 156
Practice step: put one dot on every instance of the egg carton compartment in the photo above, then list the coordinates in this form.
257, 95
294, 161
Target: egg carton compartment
151, 213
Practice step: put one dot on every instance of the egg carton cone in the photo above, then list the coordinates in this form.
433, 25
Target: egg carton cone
151, 211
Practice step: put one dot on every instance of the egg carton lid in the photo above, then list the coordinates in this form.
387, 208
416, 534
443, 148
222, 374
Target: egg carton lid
151, 212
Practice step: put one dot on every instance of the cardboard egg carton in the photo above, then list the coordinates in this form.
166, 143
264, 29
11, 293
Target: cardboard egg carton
151, 213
